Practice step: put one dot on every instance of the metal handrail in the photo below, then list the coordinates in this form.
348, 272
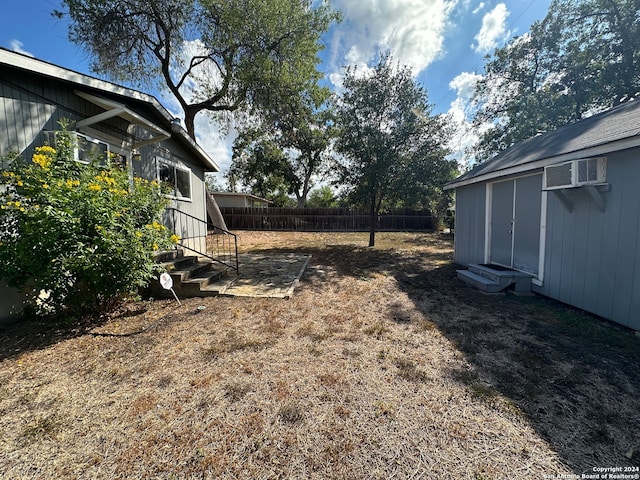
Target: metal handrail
188, 226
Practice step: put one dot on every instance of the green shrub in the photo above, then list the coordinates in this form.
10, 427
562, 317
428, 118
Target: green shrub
77, 238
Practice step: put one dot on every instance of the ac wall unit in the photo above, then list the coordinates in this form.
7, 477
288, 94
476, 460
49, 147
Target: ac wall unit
86, 149
575, 173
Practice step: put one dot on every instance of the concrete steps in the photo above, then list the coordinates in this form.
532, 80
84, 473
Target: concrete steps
192, 276
495, 279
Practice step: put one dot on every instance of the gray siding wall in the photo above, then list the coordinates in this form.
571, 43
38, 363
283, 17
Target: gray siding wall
30, 105
230, 201
592, 258
170, 150
193, 232
470, 224
11, 304
27, 107
233, 201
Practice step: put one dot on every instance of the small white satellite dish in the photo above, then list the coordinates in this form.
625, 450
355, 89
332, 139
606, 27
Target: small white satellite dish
167, 283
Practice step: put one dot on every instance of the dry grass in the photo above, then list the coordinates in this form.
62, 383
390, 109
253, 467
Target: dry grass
381, 365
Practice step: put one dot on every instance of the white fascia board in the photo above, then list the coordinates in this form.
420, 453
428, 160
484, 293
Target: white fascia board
211, 164
599, 150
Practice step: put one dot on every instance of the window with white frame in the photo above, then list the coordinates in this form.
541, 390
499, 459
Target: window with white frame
176, 179
85, 148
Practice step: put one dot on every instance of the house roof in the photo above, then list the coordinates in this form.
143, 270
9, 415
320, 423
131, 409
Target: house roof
615, 129
104, 88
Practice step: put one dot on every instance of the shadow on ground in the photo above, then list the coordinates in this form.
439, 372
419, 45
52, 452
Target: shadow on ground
34, 333
571, 375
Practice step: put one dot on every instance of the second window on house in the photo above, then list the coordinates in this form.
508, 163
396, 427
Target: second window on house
176, 179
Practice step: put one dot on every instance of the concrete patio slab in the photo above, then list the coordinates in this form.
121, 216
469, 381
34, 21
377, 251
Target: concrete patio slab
264, 275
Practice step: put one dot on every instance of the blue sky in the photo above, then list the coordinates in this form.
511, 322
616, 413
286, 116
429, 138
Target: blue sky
443, 41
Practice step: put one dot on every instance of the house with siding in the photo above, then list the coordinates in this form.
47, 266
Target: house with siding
35, 96
559, 215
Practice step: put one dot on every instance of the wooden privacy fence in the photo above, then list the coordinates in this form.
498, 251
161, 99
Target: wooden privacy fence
324, 219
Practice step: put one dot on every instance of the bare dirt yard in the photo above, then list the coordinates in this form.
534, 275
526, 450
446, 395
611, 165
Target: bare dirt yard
381, 365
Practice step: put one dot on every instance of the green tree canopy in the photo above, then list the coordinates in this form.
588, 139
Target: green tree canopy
212, 55
290, 150
322, 197
213, 183
259, 166
392, 147
582, 58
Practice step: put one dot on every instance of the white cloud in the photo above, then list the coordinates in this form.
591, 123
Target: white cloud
464, 84
460, 111
412, 30
16, 46
493, 30
478, 8
215, 142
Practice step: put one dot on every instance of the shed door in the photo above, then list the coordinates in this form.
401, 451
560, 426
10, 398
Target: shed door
515, 223
502, 223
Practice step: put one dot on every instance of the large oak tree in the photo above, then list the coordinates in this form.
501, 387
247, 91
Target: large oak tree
212, 55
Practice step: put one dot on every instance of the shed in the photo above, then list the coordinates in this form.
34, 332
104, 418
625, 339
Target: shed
36, 95
563, 210
242, 200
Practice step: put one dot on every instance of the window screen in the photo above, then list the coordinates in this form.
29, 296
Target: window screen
92, 150
175, 180
183, 183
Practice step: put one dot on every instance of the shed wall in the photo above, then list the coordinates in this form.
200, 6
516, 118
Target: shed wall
592, 257
235, 201
470, 224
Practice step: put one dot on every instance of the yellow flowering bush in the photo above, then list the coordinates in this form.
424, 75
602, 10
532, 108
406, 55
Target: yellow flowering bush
84, 234
43, 157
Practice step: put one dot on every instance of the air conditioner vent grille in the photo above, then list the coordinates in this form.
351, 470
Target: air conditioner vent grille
558, 175
575, 173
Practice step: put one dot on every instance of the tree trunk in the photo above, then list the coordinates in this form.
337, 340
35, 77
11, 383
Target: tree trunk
190, 122
373, 220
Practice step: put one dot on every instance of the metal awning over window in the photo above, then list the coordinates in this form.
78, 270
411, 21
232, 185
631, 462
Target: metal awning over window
115, 109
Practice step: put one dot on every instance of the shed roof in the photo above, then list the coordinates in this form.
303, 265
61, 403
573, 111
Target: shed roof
614, 129
130, 96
